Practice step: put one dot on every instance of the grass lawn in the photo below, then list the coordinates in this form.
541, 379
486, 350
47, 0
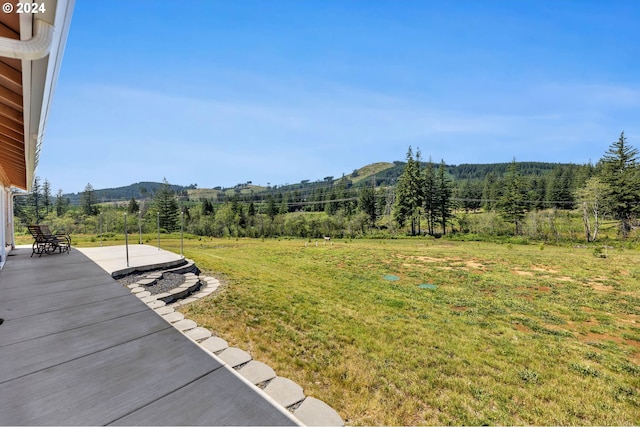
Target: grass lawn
510, 335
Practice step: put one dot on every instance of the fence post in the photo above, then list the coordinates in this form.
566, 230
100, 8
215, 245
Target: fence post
126, 238
181, 233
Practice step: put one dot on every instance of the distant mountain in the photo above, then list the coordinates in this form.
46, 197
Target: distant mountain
138, 191
384, 173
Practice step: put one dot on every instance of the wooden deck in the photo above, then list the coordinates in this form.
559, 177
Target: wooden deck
77, 348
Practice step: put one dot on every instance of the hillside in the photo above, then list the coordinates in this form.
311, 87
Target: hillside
384, 173
139, 190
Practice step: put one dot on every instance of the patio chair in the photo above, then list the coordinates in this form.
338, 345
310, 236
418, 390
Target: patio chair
47, 242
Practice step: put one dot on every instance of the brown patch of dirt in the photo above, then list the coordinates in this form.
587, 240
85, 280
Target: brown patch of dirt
544, 269
601, 287
625, 272
474, 264
565, 279
459, 308
633, 319
522, 273
633, 343
522, 328
544, 288
591, 336
429, 259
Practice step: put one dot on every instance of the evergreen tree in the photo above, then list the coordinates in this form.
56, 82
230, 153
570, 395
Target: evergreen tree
490, 191
512, 203
88, 201
46, 196
61, 204
207, 207
471, 192
166, 205
331, 206
272, 208
409, 194
560, 191
443, 197
368, 202
133, 207
35, 199
621, 174
430, 196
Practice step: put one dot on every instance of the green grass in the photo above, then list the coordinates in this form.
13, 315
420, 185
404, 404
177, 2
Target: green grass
511, 335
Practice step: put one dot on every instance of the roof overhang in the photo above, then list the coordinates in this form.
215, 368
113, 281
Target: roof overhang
31, 50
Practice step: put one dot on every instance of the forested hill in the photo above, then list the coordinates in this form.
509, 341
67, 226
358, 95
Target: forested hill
471, 171
140, 190
384, 174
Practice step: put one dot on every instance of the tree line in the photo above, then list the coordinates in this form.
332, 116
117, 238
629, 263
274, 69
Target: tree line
424, 199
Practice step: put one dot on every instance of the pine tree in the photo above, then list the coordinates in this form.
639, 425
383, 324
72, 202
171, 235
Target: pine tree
512, 203
430, 196
46, 196
88, 201
409, 194
367, 202
207, 207
61, 204
621, 174
166, 205
444, 206
133, 207
490, 191
272, 208
35, 198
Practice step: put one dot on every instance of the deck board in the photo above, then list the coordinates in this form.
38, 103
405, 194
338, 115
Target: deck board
76, 347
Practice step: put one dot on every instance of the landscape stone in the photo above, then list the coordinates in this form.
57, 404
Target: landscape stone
314, 412
162, 295
214, 344
234, 356
164, 310
185, 325
198, 334
143, 294
138, 289
149, 298
257, 372
146, 282
156, 304
173, 317
284, 391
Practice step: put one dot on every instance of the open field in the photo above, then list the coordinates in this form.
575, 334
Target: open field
511, 334
520, 334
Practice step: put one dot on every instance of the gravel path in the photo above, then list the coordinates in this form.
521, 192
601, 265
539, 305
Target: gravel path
169, 281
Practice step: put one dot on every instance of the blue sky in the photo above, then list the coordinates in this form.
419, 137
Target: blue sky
223, 92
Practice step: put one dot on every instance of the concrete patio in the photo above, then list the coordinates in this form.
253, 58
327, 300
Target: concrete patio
76, 348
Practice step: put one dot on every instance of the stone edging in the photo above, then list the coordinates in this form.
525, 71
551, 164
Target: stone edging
286, 393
